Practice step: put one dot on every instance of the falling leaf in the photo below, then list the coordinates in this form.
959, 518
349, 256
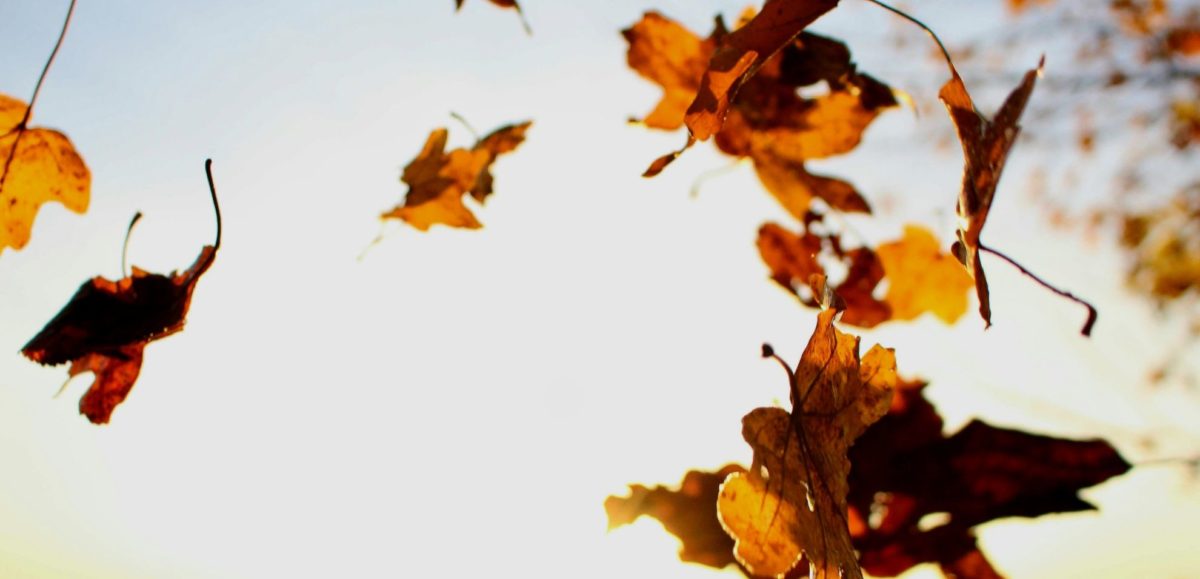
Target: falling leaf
919, 276
769, 121
671, 56
792, 502
906, 469
923, 279
106, 325
689, 513
503, 4
438, 180
740, 55
42, 167
985, 144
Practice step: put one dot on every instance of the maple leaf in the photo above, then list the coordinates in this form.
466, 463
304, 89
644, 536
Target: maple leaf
798, 507
768, 121
438, 179
671, 56
39, 165
689, 513
106, 325
985, 144
921, 278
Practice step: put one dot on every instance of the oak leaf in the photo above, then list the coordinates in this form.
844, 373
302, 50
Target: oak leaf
792, 502
39, 165
985, 144
106, 325
438, 179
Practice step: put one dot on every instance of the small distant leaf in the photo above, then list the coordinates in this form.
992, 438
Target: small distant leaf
43, 167
438, 180
985, 144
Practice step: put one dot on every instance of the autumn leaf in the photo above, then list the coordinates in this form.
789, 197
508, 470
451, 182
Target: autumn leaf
671, 56
921, 278
798, 507
905, 468
985, 144
39, 165
689, 513
769, 121
503, 4
106, 325
438, 179
740, 55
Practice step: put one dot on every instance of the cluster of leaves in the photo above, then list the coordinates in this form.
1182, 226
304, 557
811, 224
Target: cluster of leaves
799, 501
800, 495
920, 472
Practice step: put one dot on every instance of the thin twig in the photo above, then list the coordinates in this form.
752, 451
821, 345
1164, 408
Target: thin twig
1091, 318
37, 88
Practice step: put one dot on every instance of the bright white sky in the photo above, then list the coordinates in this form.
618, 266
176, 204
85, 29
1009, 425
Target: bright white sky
463, 402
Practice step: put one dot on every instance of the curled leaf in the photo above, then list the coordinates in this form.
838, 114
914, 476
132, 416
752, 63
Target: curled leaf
106, 325
985, 144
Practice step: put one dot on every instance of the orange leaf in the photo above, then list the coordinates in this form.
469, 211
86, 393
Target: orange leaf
923, 279
38, 165
798, 507
741, 53
985, 144
437, 179
671, 56
106, 325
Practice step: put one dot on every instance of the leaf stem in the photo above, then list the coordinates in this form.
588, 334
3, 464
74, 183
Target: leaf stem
216, 206
37, 88
929, 31
1091, 318
125, 247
